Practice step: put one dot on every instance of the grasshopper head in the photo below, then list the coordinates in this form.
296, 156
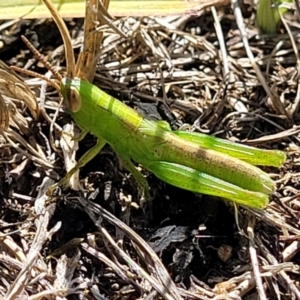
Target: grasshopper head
69, 89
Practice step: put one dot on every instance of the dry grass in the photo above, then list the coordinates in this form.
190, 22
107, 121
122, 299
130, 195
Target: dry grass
205, 76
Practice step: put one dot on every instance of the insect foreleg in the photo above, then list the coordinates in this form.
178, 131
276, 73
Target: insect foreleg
137, 176
81, 136
77, 138
89, 155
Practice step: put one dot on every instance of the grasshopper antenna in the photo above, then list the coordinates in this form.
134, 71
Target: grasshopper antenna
42, 59
35, 74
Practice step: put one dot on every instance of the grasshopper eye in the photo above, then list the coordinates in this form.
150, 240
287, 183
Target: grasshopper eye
73, 99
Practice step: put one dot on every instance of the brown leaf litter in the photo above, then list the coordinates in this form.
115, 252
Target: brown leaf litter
198, 73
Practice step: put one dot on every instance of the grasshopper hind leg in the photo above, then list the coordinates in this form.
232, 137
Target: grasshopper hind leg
195, 181
252, 155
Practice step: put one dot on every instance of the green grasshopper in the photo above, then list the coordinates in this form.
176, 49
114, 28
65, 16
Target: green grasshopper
191, 161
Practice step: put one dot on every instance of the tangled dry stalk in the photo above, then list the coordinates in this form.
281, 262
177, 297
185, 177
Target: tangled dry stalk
196, 72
